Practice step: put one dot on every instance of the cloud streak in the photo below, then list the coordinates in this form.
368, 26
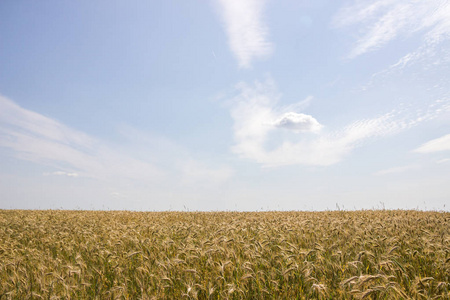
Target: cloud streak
436, 145
246, 31
396, 170
33, 137
385, 20
39, 139
199, 174
257, 114
61, 173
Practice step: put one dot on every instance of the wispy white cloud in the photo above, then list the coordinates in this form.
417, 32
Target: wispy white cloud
199, 174
246, 31
395, 170
117, 195
436, 145
33, 137
188, 170
61, 173
385, 20
39, 139
255, 111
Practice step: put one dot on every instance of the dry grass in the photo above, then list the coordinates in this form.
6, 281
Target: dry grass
224, 255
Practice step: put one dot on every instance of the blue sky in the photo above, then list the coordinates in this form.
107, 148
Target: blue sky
225, 105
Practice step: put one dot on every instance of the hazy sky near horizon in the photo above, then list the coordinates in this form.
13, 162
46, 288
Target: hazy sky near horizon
225, 104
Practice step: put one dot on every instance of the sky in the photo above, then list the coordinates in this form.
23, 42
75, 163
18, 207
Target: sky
238, 105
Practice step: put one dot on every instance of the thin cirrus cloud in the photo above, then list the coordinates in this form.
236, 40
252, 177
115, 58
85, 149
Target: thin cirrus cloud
385, 20
396, 170
436, 145
61, 173
198, 174
246, 31
36, 138
175, 158
33, 137
443, 161
257, 114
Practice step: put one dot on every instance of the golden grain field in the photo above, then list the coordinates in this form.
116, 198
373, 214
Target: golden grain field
224, 255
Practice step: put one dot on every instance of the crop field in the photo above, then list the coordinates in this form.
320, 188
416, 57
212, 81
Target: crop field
224, 255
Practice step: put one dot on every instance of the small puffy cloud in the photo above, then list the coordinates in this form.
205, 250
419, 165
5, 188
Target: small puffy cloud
436, 145
298, 122
257, 114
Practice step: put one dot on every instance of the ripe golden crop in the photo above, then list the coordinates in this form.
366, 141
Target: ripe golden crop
224, 255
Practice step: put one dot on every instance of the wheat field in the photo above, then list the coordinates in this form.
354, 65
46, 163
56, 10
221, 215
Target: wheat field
371, 254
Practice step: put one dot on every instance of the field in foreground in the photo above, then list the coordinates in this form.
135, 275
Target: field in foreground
224, 255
